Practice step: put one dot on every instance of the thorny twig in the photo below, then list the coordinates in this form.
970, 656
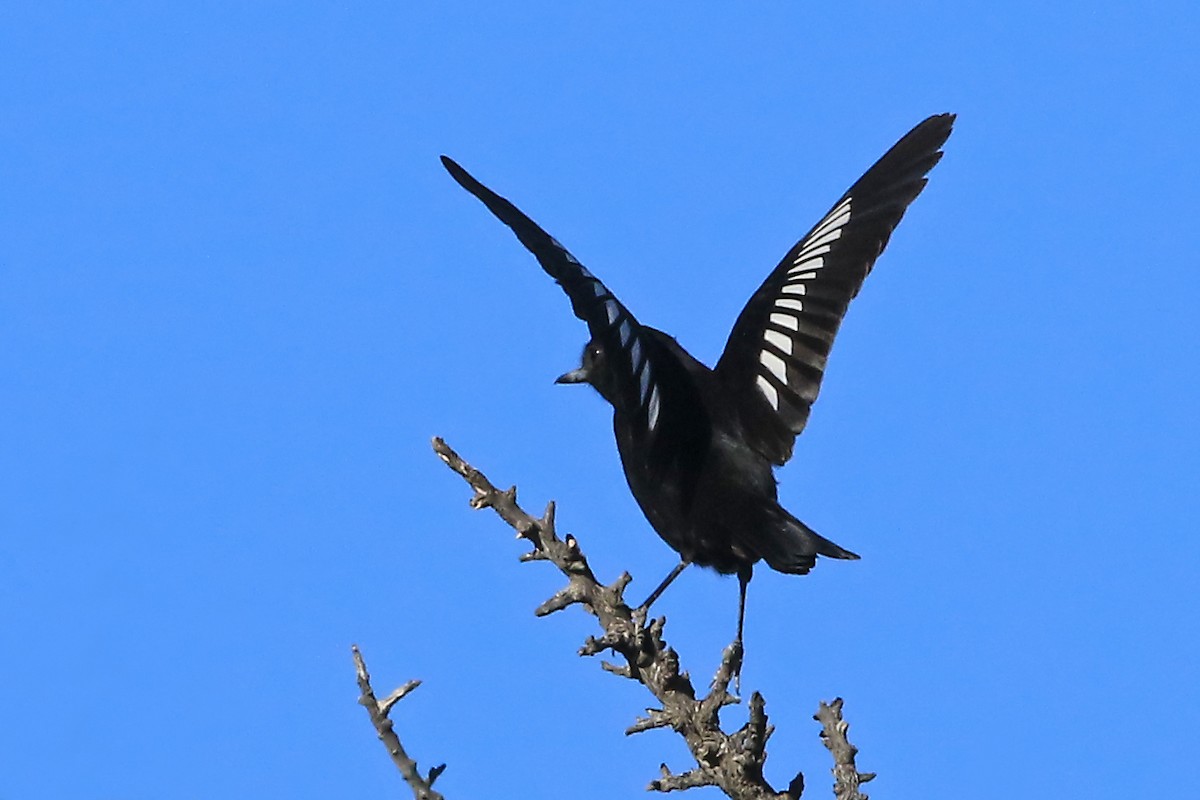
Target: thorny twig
380, 710
846, 777
732, 762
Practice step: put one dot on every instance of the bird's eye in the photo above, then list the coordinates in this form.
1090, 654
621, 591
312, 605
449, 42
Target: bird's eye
594, 352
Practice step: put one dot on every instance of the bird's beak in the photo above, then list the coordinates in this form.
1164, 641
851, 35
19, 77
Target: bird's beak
574, 376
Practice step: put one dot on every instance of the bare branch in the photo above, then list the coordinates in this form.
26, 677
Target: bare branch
422, 787
675, 783
732, 762
846, 777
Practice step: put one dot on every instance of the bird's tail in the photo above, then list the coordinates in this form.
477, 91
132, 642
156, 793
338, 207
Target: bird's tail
796, 550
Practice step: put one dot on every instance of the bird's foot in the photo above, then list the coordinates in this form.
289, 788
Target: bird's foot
736, 652
638, 616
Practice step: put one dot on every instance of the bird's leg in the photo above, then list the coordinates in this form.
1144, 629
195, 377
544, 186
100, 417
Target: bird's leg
743, 581
662, 587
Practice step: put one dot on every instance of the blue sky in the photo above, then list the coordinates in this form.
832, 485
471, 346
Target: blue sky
238, 295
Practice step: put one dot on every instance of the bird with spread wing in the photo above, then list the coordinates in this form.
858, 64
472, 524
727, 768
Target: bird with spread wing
698, 445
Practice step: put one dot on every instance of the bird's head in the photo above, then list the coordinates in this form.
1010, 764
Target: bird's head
593, 369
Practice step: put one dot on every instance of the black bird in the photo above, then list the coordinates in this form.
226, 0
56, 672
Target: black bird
699, 445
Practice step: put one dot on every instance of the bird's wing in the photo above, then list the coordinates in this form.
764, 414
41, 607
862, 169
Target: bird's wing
775, 356
634, 356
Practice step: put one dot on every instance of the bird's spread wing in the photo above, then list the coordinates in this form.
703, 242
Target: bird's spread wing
775, 356
630, 351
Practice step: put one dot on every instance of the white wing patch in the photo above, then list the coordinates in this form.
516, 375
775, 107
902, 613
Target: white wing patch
647, 387
786, 321
828, 230
809, 252
625, 332
768, 391
779, 340
774, 364
610, 307
648, 395
648, 391
806, 266
570, 257
653, 415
